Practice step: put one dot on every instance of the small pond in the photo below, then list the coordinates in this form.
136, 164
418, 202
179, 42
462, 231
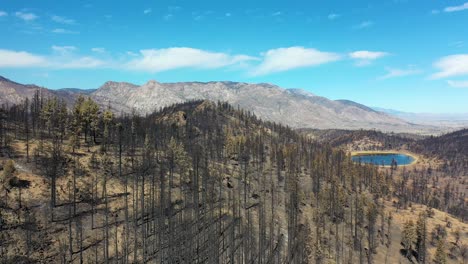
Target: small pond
383, 158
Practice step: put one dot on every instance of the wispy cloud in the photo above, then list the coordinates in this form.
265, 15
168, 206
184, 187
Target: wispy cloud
457, 44
365, 57
456, 8
26, 16
63, 20
454, 65
168, 16
3, 13
458, 84
63, 57
333, 16
364, 24
278, 13
147, 11
228, 14
157, 60
172, 58
283, 59
64, 31
98, 50
395, 72
63, 49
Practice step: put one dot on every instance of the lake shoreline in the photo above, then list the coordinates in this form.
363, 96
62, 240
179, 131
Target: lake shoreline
387, 152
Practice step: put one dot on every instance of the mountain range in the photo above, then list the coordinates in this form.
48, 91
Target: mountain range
296, 108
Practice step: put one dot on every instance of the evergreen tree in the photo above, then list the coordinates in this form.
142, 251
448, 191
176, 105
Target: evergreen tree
440, 255
408, 237
421, 240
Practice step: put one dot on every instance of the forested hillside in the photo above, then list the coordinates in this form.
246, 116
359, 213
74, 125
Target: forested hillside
360, 139
202, 182
451, 149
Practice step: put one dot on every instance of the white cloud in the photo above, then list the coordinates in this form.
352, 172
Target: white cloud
157, 60
3, 13
18, 59
147, 11
283, 59
63, 20
64, 31
454, 65
63, 57
364, 24
394, 72
365, 57
333, 16
26, 16
458, 84
456, 8
98, 50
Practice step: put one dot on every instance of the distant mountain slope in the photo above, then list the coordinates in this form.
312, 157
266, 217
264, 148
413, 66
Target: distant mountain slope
77, 90
14, 93
352, 103
293, 107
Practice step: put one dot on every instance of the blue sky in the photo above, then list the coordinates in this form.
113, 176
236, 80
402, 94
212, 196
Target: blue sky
410, 55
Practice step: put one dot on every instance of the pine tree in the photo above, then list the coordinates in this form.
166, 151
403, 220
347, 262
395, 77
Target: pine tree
408, 237
440, 255
421, 240
108, 118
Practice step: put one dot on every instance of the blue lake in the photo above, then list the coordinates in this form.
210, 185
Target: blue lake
383, 159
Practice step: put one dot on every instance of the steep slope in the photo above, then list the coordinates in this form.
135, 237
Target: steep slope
15, 93
294, 107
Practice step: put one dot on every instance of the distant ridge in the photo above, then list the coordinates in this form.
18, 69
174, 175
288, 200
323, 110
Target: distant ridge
296, 108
